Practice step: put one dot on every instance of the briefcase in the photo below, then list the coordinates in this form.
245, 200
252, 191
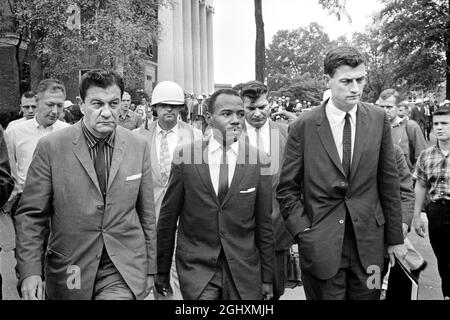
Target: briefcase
402, 285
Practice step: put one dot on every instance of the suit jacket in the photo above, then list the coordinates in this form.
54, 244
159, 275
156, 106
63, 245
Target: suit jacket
62, 187
6, 181
186, 134
278, 136
371, 194
418, 115
241, 225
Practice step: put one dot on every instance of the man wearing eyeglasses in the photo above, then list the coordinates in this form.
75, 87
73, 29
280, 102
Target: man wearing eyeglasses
127, 118
27, 108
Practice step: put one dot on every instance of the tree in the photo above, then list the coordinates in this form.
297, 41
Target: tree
417, 33
109, 31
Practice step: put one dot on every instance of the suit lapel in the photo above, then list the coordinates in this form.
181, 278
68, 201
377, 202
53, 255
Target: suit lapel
81, 151
239, 171
118, 153
361, 137
203, 172
326, 137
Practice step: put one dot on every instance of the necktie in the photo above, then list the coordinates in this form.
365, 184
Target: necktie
347, 145
164, 159
100, 166
223, 177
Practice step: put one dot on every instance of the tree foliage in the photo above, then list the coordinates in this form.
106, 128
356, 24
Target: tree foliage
417, 33
116, 32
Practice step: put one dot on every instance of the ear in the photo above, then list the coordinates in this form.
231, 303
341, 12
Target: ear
326, 78
208, 117
82, 106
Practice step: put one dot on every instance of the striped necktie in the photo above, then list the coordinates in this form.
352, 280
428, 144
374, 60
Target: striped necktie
164, 159
347, 145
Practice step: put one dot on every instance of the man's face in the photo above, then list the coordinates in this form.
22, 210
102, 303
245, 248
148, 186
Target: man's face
126, 101
390, 108
29, 107
101, 109
402, 111
256, 112
346, 86
441, 126
143, 101
227, 121
167, 114
49, 106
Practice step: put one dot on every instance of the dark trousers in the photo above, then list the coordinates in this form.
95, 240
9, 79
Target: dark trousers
279, 277
438, 214
350, 282
221, 286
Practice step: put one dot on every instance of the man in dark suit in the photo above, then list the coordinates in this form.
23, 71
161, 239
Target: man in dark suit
91, 185
339, 187
269, 137
418, 115
223, 203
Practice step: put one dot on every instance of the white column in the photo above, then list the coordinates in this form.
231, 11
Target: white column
195, 10
178, 49
165, 45
209, 24
203, 47
187, 47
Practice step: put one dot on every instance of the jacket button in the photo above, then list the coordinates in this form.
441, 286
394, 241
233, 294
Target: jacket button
100, 207
98, 256
341, 221
213, 260
343, 184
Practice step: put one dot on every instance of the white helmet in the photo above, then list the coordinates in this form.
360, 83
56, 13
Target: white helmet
167, 92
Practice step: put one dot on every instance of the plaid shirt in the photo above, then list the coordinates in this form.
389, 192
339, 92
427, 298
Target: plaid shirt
433, 170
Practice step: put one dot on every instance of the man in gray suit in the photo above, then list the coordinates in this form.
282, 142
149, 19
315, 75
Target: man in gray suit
91, 185
269, 137
339, 187
163, 136
223, 203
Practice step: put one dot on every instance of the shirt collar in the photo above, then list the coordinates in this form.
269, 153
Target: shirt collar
92, 140
214, 145
159, 129
262, 129
39, 126
339, 115
127, 115
398, 122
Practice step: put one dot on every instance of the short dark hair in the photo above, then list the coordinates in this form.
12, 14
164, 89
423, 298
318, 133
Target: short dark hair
29, 94
442, 111
216, 94
387, 93
238, 87
253, 90
102, 79
50, 85
342, 56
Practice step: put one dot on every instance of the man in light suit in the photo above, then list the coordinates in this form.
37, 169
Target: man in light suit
269, 137
163, 136
339, 187
91, 184
223, 203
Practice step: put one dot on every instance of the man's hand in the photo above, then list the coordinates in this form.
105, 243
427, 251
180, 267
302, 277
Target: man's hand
267, 291
419, 226
405, 230
32, 288
150, 288
398, 251
162, 284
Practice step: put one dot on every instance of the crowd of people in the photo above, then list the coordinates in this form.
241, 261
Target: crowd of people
204, 197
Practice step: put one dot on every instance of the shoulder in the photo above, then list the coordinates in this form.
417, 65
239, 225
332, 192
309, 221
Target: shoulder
412, 124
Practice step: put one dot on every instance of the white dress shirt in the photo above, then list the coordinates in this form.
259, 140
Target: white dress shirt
336, 118
172, 141
215, 158
265, 135
14, 122
22, 139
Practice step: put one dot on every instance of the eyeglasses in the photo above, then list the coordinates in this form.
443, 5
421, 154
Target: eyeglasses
29, 106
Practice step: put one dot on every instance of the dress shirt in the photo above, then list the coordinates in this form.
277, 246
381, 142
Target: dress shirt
336, 118
14, 122
131, 120
215, 158
172, 140
265, 135
22, 139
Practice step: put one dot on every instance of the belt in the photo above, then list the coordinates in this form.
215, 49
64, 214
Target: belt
442, 202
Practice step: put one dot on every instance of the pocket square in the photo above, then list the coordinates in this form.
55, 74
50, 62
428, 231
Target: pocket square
134, 177
248, 190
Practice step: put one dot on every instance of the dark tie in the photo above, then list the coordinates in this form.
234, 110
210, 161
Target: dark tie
100, 166
347, 145
223, 177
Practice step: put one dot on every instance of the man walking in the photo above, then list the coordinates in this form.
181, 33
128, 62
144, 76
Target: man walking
225, 242
269, 137
28, 108
163, 136
91, 185
127, 118
339, 187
